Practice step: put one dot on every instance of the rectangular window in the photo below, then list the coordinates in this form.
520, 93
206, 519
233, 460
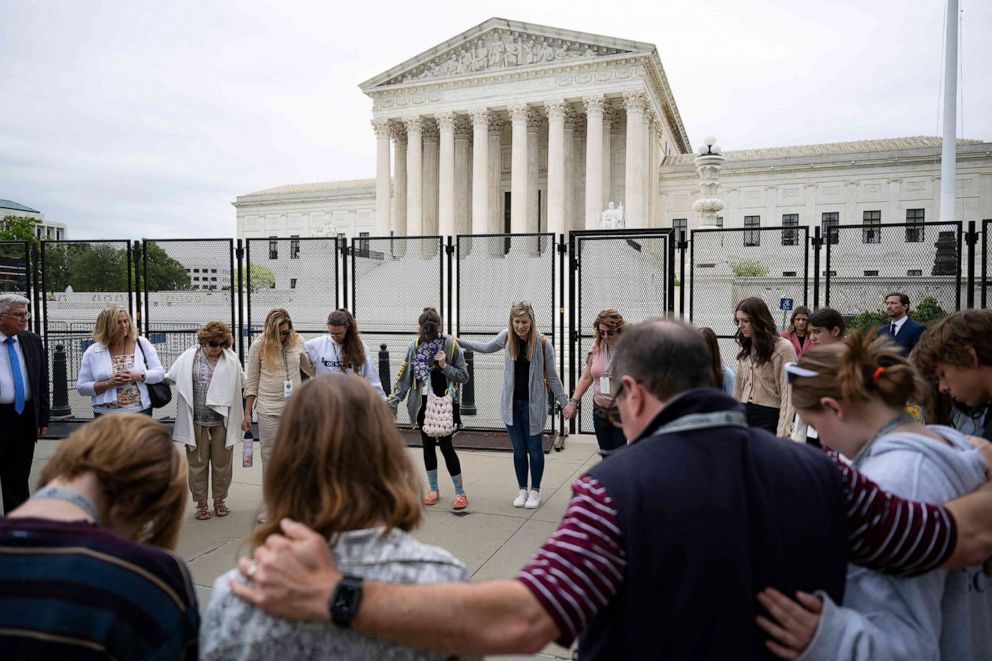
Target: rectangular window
681, 225
831, 219
831, 273
363, 244
292, 283
213, 270
294, 247
914, 272
752, 236
790, 237
273, 248
719, 221
914, 217
871, 273
871, 232
788, 274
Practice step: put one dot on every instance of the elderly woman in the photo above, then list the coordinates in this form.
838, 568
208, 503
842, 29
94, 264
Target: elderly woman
340, 467
118, 365
86, 568
274, 363
208, 381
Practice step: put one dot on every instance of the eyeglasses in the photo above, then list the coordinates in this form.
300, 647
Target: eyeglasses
19, 315
613, 411
216, 345
794, 371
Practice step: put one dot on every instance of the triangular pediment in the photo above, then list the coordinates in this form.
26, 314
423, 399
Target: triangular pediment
498, 45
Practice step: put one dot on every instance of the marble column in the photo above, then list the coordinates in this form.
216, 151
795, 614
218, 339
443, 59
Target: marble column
534, 123
519, 114
399, 197
446, 174
609, 117
579, 178
463, 169
570, 169
480, 172
594, 160
382, 177
495, 195
414, 178
430, 181
634, 211
556, 165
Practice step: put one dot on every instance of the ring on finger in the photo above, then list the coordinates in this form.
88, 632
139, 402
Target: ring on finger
252, 568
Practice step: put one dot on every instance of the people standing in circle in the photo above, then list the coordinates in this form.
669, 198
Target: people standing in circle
117, 366
273, 375
528, 373
826, 326
723, 376
760, 376
798, 331
433, 361
342, 351
607, 327
208, 380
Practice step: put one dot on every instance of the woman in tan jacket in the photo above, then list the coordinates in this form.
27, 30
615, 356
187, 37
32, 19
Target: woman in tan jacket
274, 363
760, 384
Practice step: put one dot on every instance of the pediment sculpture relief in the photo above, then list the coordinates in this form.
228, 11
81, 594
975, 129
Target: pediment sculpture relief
501, 50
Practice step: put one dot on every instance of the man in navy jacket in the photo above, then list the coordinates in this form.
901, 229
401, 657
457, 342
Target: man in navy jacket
904, 331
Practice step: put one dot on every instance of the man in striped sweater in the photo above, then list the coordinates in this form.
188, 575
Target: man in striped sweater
663, 546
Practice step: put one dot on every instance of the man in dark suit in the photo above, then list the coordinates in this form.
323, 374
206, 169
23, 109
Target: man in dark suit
903, 330
23, 399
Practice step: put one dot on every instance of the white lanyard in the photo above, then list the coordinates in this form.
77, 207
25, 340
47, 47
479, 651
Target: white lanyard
703, 421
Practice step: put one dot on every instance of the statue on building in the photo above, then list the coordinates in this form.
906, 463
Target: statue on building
612, 217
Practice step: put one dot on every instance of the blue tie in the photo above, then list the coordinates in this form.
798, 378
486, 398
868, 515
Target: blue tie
15, 371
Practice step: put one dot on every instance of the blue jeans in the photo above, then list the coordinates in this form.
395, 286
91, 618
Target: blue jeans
524, 446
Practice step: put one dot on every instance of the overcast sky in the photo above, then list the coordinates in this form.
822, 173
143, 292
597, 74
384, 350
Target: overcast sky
134, 119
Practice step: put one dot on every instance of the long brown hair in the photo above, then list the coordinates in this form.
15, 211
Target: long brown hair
802, 309
429, 324
716, 365
352, 351
856, 370
763, 335
141, 473
608, 317
339, 463
271, 342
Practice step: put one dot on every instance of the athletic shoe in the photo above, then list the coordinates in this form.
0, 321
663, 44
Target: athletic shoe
461, 502
521, 499
533, 500
431, 498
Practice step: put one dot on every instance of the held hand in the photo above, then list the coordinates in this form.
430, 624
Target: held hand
42, 432
441, 359
985, 449
246, 422
795, 621
290, 576
569, 411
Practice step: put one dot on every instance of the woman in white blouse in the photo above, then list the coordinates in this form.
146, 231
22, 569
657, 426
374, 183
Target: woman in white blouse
118, 365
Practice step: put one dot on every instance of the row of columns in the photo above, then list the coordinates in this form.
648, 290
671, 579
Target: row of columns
440, 150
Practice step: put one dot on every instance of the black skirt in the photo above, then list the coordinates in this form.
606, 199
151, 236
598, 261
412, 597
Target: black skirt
763, 417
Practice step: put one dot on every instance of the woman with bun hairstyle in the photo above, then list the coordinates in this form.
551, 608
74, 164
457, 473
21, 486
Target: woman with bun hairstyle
855, 393
760, 380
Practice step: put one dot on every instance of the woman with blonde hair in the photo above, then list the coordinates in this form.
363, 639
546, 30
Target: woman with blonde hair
117, 367
855, 393
340, 467
273, 366
607, 327
528, 373
208, 379
86, 565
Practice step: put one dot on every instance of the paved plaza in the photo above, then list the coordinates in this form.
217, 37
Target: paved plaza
491, 537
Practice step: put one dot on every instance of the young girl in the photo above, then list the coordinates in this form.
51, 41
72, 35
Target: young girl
855, 394
523, 406
798, 331
760, 381
343, 351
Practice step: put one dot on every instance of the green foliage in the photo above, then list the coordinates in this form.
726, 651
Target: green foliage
261, 278
868, 320
164, 272
103, 267
927, 312
749, 268
17, 228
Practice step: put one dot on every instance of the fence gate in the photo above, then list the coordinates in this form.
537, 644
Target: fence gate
494, 271
632, 271
986, 255
392, 280
18, 276
185, 283
78, 280
865, 262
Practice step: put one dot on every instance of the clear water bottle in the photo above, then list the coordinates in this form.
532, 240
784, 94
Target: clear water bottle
248, 453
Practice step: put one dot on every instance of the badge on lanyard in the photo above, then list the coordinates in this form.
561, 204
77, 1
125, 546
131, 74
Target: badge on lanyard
604, 385
287, 388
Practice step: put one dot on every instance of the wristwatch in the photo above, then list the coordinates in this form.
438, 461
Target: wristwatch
345, 600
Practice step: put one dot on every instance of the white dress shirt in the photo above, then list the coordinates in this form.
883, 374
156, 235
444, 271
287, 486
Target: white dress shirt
6, 375
898, 324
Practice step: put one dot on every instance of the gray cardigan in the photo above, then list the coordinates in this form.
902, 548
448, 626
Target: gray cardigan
454, 371
543, 366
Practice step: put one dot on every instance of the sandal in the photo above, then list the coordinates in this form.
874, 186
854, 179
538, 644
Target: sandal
461, 502
431, 498
220, 509
202, 512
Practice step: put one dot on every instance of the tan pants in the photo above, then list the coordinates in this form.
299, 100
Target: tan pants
268, 426
209, 452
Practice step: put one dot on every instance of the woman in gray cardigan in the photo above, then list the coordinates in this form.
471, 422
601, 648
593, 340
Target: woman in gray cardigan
529, 371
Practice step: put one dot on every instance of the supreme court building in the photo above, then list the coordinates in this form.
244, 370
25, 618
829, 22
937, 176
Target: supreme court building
515, 127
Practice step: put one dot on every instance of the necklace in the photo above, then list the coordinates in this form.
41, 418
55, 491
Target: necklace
903, 418
70, 496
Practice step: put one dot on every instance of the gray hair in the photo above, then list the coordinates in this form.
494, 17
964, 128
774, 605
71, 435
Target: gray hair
8, 300
667, 356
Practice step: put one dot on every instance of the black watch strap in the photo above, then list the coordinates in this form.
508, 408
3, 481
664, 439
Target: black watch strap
345, 600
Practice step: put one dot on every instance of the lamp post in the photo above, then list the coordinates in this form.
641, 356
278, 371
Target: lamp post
709, 160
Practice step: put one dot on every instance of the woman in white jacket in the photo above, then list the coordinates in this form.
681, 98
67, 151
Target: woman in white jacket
118, 365
208, 380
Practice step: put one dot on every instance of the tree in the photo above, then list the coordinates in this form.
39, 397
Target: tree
18, 228
261, 278
749, 268
164, 272
100, 267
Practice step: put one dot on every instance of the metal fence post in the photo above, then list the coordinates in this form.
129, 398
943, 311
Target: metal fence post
683, 244
344, 279
468, 390
449, 250
573, 331
817, 245
240, 253
140, 283
972, 239
35, 283
60, 384
385, 376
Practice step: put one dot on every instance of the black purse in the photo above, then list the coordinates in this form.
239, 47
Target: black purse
160, 393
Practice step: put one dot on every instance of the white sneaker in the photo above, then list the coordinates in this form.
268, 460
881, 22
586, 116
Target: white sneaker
533, 500
520, 499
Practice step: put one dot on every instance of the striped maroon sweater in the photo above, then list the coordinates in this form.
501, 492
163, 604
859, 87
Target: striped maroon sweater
579, 568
